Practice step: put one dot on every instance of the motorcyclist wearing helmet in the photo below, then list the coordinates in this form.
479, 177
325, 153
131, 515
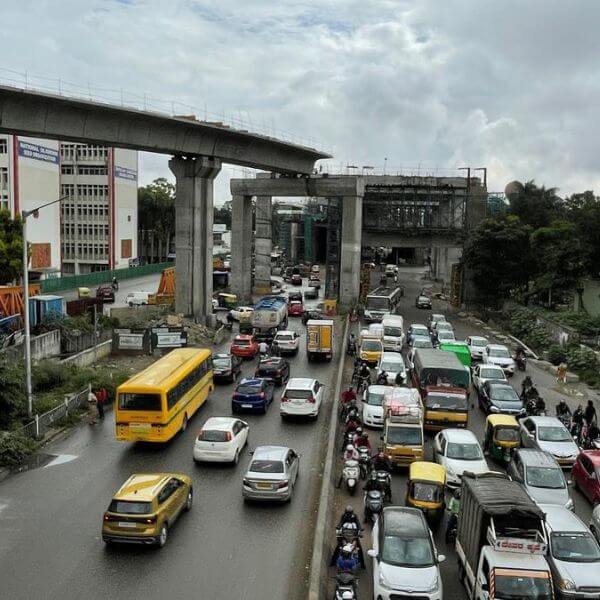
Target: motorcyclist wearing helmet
349, 516
526, 385
381, 462
540, 405
362, 439
348, 396
351, 453
347, 562
382, 378
373, 483
352, 424
562, 409
453, 510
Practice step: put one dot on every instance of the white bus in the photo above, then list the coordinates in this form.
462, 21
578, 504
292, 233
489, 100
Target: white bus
381, 302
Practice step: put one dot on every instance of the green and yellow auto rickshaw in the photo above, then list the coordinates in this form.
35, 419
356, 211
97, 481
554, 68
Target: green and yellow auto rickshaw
501, 437
425, 490
228, 301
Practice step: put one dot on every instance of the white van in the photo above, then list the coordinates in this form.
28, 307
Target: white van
393, 332
137, 298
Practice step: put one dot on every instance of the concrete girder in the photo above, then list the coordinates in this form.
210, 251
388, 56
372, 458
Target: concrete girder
194, 235
36, 114
263, 245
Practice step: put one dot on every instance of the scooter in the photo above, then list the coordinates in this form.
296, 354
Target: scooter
566, 420
350, 475
364, 461
346, 586
521, 362
373, 505
351, 348
384, 479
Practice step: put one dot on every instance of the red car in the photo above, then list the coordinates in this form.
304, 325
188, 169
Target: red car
295, 309
296, 279
586, 474
244, 346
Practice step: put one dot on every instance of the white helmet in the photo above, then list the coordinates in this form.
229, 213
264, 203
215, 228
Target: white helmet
349, 448
347, 595
348, 548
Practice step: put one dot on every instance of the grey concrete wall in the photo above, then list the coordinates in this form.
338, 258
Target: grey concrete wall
194, 235
263, 245
43, 346
241, 247
350, 251
90, 356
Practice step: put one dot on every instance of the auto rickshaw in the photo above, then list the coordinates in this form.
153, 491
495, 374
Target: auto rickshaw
84, 292
501, 437
227, 301
425, 490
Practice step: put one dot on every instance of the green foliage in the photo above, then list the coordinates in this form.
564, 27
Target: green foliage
13, 401
49, 374
521, 322
584, 324
535, 206
497, 256
14, 448
583, 210
557, 354
156, 210
223, 214
11, 248
581, 358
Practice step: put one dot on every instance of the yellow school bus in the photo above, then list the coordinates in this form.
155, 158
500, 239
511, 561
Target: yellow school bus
158, 402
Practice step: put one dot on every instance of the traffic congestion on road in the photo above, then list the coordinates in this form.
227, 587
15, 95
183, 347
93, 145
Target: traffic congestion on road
457, 479
227, 501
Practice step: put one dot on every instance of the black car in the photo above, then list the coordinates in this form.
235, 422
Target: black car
500, 397
423, 301
312, 293
105, 293
274, 368
226, 367
265, 335
311, 315
294, 296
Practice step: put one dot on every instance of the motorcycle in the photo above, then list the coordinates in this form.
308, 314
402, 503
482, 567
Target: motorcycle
566, 420
348, 411
373, 505
350, 475
363, 383
346, 586
451, 528
364, 461
348, 439
521, 362
384, 479
115, 286
351, 348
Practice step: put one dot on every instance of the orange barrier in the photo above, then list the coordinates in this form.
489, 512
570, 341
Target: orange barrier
11, 298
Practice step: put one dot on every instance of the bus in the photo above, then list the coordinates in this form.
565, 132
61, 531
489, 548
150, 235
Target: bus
443, 382
159, 401
381, 301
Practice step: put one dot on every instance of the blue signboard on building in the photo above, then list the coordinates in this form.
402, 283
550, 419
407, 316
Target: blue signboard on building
125, 173
37, 152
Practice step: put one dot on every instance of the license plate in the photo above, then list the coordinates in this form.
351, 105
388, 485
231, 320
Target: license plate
140, 427
297, 401
264, 486
126, 525
246, 405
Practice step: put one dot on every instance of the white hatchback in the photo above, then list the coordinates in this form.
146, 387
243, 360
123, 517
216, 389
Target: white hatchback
458, 451
221, 439
392, 364
372, 405
476, 345
302, 397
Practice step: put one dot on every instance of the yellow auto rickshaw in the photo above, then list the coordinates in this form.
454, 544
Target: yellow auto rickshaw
425, 490
84, 292
227, 301
501, 437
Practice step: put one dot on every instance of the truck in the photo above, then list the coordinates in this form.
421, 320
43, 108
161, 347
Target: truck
403, 425
501, 541
269, 316
319, 339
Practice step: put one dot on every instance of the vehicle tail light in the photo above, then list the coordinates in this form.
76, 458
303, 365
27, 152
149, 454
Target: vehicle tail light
108, 517
282, 484
284, 399
228, 437
312, 400
200, 436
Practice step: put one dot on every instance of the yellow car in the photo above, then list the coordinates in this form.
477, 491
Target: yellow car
145, 506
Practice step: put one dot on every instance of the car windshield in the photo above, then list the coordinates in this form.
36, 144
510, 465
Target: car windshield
285, 337
371, 346
239, 342
214, 436
406, 552
422, 343
375, 398
392, 366
507, 434
458, 377
140, 402
249, 388
545, 477
488, 373
443, 326
517, 587
427, 492
221, 363
478, 343
436, 400
574, 547
504, 393
268, 367
498, 353
445, 335
404, 436
266, 466
124, 507
421, 330
554, 434
392, 331
464, 451
299, 394
377, 303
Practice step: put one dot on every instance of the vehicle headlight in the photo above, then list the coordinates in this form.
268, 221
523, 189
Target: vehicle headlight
567, 585
434, 585
494, 409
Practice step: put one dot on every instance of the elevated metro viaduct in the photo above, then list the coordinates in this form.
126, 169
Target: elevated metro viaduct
198, 149
364, 210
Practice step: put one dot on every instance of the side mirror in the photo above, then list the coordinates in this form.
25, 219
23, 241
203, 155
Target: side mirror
569, 482
372, 553
485, 586
250, 452
441, 558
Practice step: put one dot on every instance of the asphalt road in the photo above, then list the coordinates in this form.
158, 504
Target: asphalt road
411, 279
50, 516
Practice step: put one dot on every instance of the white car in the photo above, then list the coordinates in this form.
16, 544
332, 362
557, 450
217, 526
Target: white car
137, 298
458, 451
393, 364
405, 560
391, 270
486, 372
417, 342
221, 439
443, 336
372, 405
497, 354
416, 330
548, 434
241, 312
287, 342
476, 345
302, 397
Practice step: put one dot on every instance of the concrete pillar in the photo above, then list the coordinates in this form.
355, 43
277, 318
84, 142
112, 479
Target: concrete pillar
241, 247
350, 251
263, 245
194, 236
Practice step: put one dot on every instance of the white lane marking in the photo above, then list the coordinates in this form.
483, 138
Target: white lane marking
61, 459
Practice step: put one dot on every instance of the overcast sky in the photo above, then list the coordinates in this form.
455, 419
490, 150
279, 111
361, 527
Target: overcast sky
513, 85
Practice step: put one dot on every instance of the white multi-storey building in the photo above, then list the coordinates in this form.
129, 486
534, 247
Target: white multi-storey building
99, 218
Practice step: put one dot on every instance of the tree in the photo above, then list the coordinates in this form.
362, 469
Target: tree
223, 214
559, 258
535, 206
497, 258
11, 248
156, 216
583, 210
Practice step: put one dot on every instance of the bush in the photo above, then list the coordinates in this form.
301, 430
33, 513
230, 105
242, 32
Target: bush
557, 354
581, 359
14, 448
49, 374
13, 401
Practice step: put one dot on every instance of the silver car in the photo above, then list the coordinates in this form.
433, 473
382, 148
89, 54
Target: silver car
550, 435
541, 476
272, 474
574, 554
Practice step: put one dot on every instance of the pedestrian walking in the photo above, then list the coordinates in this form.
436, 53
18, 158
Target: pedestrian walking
561, 373
275, 349
101, 396
263, 349
92, 399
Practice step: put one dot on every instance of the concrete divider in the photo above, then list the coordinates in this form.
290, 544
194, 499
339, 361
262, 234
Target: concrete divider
90, 356
319, 563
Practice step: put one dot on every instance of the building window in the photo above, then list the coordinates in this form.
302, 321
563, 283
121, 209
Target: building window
3, 179
3, 146
66, 169
67, 189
